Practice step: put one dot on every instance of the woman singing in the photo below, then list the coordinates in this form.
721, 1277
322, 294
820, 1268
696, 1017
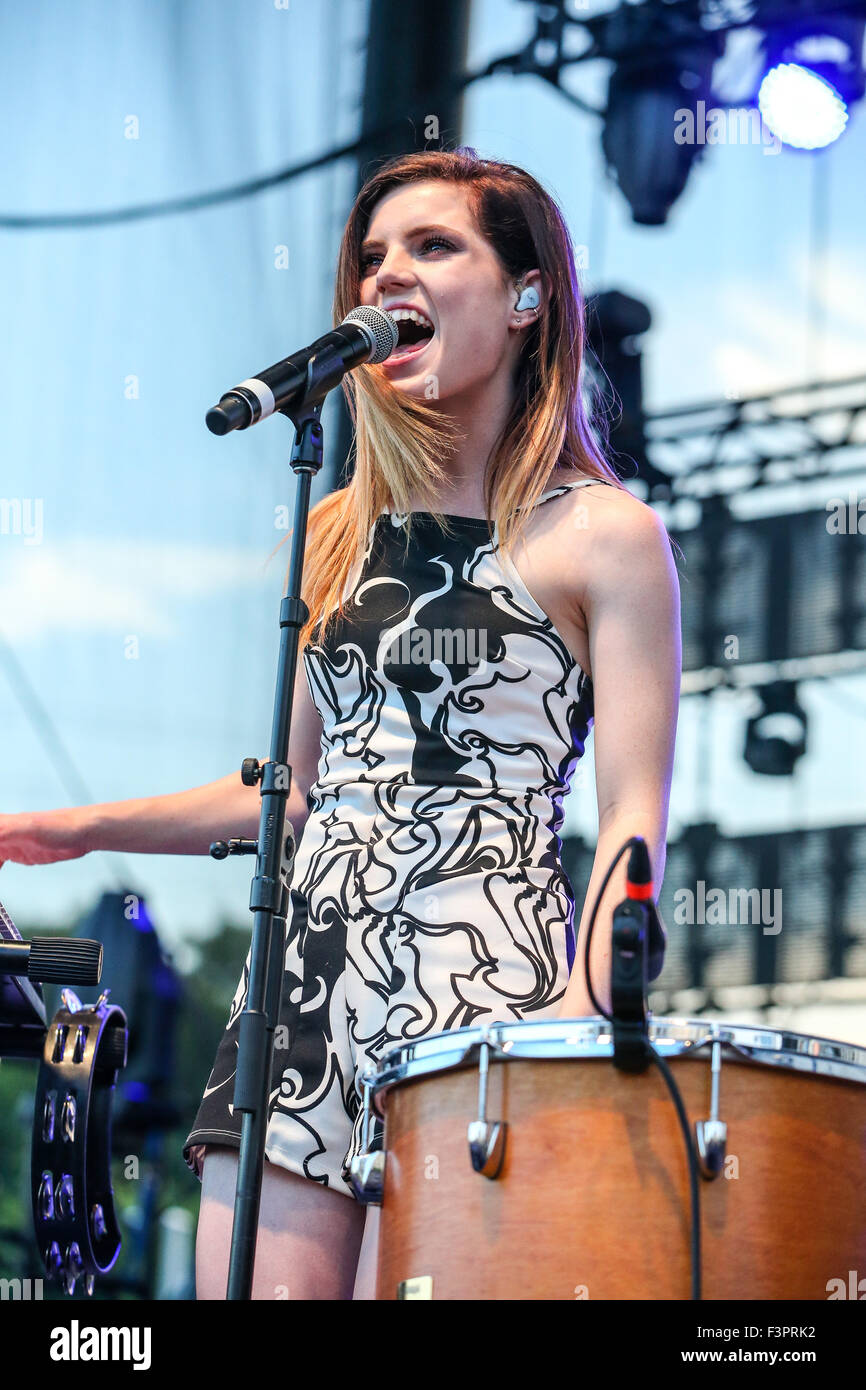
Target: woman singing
483, 593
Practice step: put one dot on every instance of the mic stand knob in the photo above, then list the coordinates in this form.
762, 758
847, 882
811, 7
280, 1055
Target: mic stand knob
221, 849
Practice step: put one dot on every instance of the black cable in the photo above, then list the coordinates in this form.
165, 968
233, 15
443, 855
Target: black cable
591, 924
64, 221
676, 1096
694, 1178
196, 201
513, 62
521, 63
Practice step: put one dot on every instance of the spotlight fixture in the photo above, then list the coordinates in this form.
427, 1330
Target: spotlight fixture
814, 73
776, 735
651, 89
669, 96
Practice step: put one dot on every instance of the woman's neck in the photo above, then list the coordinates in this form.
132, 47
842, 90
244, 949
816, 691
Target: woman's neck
480, 421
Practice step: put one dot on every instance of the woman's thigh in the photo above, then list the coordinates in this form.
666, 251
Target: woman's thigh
309, 1237
365, 1279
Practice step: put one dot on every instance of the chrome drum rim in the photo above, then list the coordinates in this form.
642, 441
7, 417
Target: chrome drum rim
589, 1038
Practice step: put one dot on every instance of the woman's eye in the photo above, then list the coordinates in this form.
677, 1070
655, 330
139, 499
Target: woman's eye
427, 245
437, 241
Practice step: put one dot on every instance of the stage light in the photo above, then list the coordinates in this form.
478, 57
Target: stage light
648, 98
776, 735
650, 167
801, 108
814, 74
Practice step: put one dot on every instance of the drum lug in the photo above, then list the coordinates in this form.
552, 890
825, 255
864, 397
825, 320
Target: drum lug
367, 1176
487, 1147
712, 1138
486, 1137
366, 1169
712, 1134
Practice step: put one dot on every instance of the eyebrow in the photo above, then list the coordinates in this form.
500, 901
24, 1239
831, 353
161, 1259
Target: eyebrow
416, 231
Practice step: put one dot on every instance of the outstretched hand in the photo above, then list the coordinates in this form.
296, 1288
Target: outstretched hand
39, 837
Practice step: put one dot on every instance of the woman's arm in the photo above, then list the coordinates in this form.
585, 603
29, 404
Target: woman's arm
631, 601
184, 822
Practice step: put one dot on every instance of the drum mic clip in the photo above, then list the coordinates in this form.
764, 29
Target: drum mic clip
629, 964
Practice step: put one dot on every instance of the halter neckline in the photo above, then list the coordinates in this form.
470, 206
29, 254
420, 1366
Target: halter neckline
483, 520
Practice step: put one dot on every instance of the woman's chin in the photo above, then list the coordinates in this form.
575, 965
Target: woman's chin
416, 377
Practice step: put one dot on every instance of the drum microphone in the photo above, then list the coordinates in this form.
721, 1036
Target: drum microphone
637, 956
366, 334
639, 887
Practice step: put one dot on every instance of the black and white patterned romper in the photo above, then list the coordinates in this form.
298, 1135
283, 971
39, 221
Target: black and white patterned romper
428, 892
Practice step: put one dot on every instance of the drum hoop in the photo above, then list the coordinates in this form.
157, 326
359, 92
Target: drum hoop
560, 1039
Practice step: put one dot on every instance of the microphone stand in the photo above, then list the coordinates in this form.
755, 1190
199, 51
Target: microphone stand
275, 852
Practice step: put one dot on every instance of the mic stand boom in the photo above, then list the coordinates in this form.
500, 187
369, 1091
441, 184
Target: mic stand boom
269, 894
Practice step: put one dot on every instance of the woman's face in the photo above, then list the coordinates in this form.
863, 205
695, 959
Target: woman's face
423, 251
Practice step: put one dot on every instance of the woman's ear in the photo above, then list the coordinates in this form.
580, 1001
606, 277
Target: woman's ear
531, 298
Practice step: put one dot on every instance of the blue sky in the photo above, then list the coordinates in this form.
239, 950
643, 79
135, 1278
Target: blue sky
118, 339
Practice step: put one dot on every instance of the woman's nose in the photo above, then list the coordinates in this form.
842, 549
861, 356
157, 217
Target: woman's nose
395, 270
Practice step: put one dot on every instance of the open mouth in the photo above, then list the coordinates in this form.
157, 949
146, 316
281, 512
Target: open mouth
414, 331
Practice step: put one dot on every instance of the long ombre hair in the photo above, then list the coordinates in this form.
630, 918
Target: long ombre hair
400, 443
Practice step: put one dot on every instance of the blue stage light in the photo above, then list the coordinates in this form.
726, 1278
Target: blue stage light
800, 107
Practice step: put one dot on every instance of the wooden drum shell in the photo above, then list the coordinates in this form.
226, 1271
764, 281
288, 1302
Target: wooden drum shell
593, 1197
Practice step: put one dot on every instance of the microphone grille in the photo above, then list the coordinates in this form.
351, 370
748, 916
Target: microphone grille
383, 329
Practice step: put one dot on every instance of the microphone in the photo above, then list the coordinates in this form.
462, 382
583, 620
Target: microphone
639, 888
366, 334
637, 956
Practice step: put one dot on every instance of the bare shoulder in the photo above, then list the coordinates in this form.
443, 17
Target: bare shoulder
605, 500
599, 530
620, 516
601, 499
629, 555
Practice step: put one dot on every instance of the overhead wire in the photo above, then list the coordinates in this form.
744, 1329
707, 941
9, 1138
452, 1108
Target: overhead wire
46, 731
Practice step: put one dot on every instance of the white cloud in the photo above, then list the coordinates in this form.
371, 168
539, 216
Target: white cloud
83, 585
840, 285
765, 343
